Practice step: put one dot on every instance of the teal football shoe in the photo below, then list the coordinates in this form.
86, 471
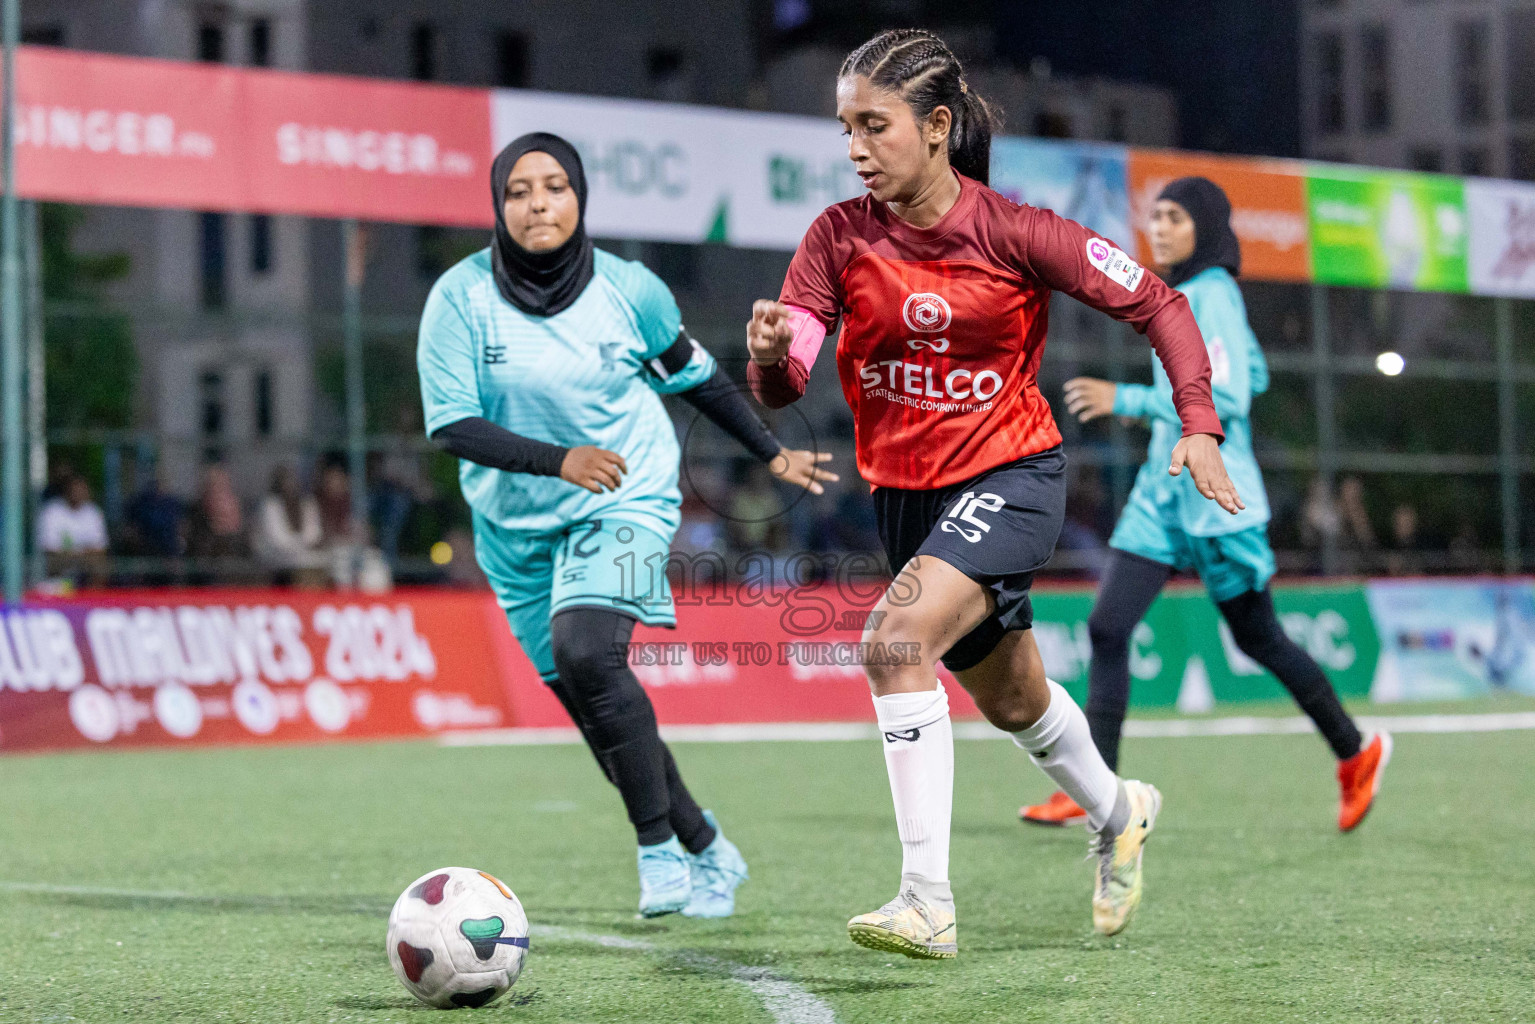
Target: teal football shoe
665, 882
717, 872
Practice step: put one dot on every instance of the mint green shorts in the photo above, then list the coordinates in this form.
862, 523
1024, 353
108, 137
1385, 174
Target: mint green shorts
596, 563
1230, 565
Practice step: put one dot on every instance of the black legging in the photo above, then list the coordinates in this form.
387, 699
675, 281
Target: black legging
606, 702
1130, 583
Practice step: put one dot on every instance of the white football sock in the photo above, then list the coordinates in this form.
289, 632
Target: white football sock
919, 755
1061, 744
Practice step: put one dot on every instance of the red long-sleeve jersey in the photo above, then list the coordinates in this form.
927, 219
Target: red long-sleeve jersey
943, 329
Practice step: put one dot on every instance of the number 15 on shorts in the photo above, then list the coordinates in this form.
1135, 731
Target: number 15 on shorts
965, 510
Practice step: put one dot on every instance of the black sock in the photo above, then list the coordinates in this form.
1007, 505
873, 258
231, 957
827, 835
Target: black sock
1130, 583
686, 818
559, 690
1257, 631
615, 715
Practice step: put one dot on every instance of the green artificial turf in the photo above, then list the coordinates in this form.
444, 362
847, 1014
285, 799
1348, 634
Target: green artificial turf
254, 885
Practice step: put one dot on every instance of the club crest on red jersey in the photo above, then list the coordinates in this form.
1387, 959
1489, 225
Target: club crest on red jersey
927, 312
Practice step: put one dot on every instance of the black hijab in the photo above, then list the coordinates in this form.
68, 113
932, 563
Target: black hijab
1215, 244
540, 283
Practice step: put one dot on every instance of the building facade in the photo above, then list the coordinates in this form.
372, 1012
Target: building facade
1425, 85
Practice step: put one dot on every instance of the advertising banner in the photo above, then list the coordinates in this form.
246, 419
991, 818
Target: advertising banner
328, 146
128, 131
1384, 229
197, 667
1445, 639
748, 655
690, 174
794, 656
783, 172
264, 666
138, 132
1268, 207
132, 131
655, 170
1183, 654
1084, 182
1502, 215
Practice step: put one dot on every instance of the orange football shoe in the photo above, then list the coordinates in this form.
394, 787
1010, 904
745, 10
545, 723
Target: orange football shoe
1059, 810
1359, 780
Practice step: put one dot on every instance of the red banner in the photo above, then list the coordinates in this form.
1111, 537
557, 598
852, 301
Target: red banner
133, 131
158, 667
266, 666
772, 656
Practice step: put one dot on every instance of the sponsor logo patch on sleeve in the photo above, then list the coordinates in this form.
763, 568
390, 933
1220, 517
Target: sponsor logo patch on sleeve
1115, 264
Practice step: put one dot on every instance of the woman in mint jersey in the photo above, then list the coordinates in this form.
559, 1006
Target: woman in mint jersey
1168, 526
542, 362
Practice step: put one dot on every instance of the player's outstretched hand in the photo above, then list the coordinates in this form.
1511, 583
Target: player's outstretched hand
596, 469
802, 469
768, 335
1088, 398
1202, 454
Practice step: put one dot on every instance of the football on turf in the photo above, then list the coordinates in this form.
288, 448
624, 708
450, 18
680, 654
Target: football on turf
457, 937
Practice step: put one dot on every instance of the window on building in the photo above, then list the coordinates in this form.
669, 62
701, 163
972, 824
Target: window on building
1049, 124
666, 69
1426, 158
1519, 59
1476, 161
1375, 77
431, 249
261, 43
1521, 158
262, 400
663, 62
210, 413
512, 60
1329, 82
261, 243
423, 52
211, 244
43, 35
210, 42
210, 395
1472, 91
1117, 129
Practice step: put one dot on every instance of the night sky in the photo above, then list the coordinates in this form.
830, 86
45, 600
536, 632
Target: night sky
1233, 66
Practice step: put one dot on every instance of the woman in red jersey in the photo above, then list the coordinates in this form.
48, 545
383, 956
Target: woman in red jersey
942, 288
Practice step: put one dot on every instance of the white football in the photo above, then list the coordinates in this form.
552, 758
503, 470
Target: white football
457, 937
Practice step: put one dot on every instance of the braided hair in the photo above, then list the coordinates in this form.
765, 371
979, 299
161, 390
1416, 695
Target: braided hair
920, 66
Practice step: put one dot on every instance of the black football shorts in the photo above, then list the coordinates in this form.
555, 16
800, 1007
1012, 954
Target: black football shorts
997, 528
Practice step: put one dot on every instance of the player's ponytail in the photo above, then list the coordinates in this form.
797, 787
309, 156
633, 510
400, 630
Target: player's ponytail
920, 66
970, 138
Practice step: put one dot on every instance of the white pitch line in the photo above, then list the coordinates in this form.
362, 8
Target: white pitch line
784, 1001
1147, 728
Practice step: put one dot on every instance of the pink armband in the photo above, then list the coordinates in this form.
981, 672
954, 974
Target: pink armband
809, 332
784, 382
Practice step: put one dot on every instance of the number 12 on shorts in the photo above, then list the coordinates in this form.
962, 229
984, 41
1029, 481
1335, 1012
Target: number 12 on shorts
965, 509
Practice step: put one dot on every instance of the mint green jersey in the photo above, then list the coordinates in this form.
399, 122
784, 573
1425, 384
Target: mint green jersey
581, 377
1238, 371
